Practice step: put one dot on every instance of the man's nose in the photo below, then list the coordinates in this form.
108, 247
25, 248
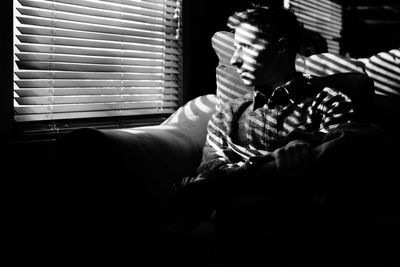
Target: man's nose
236, 59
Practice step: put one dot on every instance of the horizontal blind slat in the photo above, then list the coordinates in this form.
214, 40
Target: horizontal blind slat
118, 7
31, 116
82, 35
80, 26
94, 36
35, 57
171, 3
123, 53
65, 66
43, 83
31, 92
92, 99
25, 74
55, 42
152, 5
62, 16
161, 5
163, 60
157, 18
111, 106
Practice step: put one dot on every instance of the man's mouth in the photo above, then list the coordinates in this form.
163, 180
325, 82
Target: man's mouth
245, 75
241, 72
247, 78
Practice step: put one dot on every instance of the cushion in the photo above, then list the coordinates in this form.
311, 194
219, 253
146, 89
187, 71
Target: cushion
230, 86
384, 69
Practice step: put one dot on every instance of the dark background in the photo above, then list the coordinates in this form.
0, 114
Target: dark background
370, 26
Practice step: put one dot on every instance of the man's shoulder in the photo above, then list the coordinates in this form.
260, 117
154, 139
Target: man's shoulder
234, 105
320, 89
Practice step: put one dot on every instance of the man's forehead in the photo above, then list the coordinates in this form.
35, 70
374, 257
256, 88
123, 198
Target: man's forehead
246, 32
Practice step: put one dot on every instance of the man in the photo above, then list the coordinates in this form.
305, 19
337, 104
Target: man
259, 171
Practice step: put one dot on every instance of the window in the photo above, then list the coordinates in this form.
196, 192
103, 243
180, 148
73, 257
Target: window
320, 16
103, 61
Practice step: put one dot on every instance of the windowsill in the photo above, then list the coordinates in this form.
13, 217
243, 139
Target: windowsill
49, 131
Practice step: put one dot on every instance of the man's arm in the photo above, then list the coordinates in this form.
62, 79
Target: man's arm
292, 163
198, 194
294, 160
333, 107
213, 152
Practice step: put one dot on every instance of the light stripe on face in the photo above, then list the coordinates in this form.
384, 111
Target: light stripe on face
247, 31
248, 49
249, 63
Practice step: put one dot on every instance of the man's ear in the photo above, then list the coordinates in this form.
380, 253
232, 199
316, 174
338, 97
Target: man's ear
282, 45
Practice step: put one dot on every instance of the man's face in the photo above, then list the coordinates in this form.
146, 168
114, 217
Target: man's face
254, 57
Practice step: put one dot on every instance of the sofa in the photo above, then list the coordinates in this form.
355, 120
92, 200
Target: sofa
147, 160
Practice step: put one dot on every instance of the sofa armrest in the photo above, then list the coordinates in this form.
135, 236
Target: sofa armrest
171, 150
175, 146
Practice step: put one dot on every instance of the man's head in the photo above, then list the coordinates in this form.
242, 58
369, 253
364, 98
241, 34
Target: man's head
266, 43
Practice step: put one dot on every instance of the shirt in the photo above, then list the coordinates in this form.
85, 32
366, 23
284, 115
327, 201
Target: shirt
256, 124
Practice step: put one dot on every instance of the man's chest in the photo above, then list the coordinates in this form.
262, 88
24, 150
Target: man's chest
267, 128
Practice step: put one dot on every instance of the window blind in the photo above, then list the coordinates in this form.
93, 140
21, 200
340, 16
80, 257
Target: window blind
79, 59
322, 16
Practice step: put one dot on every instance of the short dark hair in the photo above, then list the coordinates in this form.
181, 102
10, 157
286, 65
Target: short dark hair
274, 21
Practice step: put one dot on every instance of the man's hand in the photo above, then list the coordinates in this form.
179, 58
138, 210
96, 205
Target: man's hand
293, 160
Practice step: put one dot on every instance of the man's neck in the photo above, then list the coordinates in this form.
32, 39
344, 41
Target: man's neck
280, 80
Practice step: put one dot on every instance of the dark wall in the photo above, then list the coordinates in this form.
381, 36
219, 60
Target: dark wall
201, 19
6, 93
370, 27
